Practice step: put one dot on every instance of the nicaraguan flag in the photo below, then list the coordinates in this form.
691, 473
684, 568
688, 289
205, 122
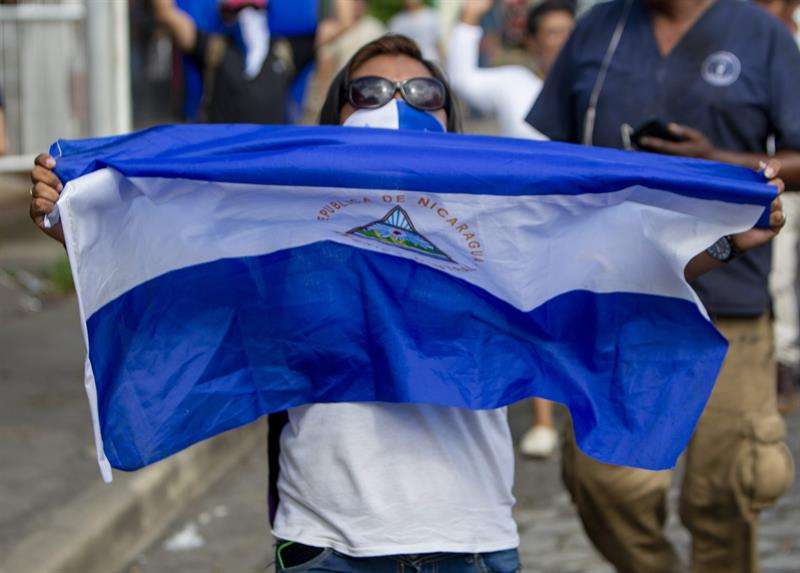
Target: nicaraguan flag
225, 272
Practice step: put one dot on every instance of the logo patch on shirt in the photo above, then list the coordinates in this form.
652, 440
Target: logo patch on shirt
721, 69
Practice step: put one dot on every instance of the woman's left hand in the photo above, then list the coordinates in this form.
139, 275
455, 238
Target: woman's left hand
756, 237
750, 239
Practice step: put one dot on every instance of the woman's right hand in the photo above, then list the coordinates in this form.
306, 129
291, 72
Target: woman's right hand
44, 193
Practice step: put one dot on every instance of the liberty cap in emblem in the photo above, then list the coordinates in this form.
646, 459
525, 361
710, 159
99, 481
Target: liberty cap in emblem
721, 69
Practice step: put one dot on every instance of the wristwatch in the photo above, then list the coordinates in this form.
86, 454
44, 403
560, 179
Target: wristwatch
724, 250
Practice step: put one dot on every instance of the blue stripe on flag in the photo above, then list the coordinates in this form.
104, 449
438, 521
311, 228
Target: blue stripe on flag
363, 158
206, 348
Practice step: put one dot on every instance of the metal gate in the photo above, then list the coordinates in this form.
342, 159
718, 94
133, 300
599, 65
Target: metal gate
64, 70
43, 73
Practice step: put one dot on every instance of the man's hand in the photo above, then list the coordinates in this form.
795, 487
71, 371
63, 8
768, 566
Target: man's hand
44, 193
693, 143
474, 10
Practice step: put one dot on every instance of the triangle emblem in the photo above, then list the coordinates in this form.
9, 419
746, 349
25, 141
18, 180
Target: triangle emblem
396, 230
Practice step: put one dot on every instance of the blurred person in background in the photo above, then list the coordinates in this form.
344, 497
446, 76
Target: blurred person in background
711, 79
784, 276
420, 23
247, 69
335, 54
514, 20
206, 18
549, 24
508, 93
3, 142
787, 11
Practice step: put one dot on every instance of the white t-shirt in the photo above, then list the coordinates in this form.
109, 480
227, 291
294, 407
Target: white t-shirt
372, 479
797, 21
507, 92
422, 26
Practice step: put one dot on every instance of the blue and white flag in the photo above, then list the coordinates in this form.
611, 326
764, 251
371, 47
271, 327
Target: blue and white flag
225, 272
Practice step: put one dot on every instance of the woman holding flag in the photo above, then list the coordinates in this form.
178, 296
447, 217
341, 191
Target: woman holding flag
379, 486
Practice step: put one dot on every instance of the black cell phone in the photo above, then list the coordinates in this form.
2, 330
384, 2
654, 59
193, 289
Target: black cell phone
291, 554
653, 128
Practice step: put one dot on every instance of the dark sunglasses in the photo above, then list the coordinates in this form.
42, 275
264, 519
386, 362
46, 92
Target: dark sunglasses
371, 92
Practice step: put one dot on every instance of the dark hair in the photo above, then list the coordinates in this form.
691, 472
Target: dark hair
544, 8
388, 45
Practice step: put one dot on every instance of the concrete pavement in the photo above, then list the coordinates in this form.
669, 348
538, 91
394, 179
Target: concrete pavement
56, 515
45, 433
51, 494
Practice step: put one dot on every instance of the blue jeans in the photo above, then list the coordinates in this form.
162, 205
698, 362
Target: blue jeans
330, 561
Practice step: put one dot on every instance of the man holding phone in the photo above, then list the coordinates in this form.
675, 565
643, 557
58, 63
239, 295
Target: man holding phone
711, 79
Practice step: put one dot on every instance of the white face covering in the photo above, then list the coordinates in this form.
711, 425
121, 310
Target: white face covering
396, 114
255, 36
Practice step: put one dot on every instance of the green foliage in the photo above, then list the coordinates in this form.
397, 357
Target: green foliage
385, 9
372, 234
60, 277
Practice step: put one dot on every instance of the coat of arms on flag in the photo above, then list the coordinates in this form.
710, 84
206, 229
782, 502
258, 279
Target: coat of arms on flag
397, 230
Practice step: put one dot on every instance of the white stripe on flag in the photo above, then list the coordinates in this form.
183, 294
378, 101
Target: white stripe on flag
523, 249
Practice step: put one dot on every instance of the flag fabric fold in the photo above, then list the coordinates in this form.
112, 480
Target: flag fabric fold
226, 272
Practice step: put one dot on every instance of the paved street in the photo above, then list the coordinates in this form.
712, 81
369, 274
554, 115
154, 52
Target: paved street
46, 447
226, 530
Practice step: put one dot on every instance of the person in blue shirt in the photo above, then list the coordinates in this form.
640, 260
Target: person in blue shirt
247, 61
720, 78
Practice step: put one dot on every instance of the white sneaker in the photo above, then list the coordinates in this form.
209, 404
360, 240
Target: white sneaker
539, 442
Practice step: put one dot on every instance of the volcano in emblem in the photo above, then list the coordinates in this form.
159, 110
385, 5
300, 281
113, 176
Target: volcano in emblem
397, 230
